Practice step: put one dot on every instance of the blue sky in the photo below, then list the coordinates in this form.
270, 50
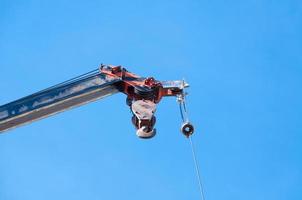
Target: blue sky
244, 63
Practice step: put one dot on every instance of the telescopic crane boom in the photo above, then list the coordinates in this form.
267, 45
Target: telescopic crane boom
142, 96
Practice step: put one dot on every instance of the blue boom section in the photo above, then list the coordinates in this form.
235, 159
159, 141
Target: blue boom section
56, 99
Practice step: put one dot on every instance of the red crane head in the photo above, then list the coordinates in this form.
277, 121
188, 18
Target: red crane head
142, 96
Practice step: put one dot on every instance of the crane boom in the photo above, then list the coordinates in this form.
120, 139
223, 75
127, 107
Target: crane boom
55, 100
142, 96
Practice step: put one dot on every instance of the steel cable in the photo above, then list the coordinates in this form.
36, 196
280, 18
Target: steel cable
185, 118
80, 77
201, 189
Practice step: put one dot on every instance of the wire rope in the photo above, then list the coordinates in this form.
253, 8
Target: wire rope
185, 119
78, 78
197, 169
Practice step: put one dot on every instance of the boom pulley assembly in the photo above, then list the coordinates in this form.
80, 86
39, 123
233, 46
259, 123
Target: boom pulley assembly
143, 94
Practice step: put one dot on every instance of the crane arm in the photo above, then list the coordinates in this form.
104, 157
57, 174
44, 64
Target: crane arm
56, 99
142, 96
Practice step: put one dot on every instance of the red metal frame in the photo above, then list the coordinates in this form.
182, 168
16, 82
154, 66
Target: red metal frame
131, 81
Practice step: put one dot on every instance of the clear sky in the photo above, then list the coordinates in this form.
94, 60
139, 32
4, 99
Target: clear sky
243, 60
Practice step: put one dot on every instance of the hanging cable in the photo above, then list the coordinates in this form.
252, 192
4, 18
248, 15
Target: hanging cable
181, 112
201, 189
187, 129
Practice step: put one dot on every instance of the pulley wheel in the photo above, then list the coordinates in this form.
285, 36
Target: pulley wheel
187, 129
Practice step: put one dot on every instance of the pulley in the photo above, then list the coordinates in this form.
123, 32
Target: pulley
187, 129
